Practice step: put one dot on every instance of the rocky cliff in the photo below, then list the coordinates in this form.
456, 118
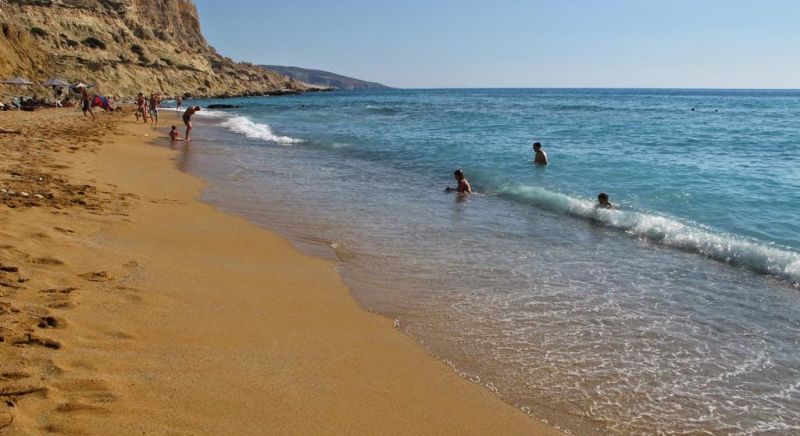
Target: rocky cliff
125, 47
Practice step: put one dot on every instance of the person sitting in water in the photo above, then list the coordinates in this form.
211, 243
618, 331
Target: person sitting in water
187, 120
602, 201
174, 134
540, 157
463, 184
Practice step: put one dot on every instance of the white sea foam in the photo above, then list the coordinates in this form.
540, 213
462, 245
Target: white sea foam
208, 113
247, 127
732, 249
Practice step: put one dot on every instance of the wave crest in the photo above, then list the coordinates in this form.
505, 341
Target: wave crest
247, 127
731, 249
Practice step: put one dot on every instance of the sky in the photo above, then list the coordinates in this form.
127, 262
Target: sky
519, 43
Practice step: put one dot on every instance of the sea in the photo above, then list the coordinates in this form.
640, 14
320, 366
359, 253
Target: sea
675, 312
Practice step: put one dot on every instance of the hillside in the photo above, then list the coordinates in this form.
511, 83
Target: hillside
125, 46
325, 78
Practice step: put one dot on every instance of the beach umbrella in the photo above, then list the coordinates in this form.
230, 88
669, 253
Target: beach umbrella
55, 82
18, 81
82, 85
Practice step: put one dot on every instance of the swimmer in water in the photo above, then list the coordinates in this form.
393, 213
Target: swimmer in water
540, 157
463, 184
602, 201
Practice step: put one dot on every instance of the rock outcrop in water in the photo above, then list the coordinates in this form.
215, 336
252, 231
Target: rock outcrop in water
125, 46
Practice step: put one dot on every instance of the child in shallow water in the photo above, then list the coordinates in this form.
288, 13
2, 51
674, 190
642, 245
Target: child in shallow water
173, 134
463, 184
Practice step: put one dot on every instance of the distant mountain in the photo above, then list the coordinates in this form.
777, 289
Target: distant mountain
325, 78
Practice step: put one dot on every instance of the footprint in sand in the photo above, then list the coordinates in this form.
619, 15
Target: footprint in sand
10, 278
47, 261
97, 276
67, 290
85, 395
49, 322
30, 340
14, 391
131, 294
58, 298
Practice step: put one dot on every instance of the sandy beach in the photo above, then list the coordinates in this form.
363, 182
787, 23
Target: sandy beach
128, 306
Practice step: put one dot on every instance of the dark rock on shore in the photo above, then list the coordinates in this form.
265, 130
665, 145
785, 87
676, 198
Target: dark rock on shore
223, 106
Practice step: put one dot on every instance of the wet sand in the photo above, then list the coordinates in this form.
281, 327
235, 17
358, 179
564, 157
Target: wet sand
128, 306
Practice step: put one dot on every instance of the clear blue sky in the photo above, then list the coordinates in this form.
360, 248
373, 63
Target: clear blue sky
520, 43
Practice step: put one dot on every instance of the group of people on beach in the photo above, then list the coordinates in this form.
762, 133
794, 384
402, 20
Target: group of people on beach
539, 158
149, 108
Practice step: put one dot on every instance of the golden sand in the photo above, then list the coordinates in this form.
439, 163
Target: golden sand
127, 306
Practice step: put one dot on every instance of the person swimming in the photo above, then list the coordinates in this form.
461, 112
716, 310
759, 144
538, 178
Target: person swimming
463, 184
602, 201
540, 157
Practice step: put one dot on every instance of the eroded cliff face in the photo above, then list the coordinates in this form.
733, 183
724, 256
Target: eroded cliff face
125, 46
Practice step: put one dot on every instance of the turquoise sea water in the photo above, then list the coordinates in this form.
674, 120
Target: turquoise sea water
678, 311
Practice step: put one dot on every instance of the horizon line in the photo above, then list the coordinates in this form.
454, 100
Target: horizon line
590, 87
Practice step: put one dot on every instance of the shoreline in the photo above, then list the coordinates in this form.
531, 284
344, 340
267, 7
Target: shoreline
163, 314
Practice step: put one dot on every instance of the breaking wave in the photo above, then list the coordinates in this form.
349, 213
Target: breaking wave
732, 249
247, 127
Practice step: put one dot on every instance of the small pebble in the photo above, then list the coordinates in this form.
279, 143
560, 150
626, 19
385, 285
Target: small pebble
24, 194
39, 196
3, 190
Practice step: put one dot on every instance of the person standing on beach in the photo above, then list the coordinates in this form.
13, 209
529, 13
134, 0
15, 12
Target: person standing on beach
463, 184
86, 103
187, 120
155, 102
602, 201
540, 157
179, 102
140, 107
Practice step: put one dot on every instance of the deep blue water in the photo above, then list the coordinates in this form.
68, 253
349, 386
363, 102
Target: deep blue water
676, 311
